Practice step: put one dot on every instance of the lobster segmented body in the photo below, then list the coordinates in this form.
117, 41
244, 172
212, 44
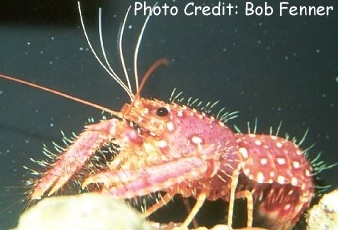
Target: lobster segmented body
178, 150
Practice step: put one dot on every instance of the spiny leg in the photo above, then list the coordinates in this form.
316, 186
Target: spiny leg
247, 194
164, 200
188, 207
233, 186
199, 203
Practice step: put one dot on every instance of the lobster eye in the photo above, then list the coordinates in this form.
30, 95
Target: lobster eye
162, 112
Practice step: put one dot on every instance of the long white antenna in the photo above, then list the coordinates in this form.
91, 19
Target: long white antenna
111, 73
120, 38
137, 48
104, 52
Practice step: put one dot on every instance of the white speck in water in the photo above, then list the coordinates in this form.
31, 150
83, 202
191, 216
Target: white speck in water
130, 27
286, 58
324, 95
81, 48
26, 141
52, 38
259, 42
317, 51
1, 92
51, 124
41, 51
51, 62
28, 43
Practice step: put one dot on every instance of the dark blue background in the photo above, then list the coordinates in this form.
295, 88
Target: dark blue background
270, 68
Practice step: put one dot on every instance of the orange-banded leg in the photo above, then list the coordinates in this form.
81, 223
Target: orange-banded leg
168, 196
188, 207
164, 201
249, 200
238, 195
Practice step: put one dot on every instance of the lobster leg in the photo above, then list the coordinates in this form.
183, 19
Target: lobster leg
234, 183
164, 200
199, 203
248, 196
188, 207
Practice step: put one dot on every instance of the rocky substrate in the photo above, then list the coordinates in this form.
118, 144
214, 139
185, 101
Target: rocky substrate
97, 211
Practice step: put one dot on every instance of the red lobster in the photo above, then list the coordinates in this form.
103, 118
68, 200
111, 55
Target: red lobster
178, 150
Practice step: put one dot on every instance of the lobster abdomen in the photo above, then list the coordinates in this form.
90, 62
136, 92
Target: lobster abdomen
279, 177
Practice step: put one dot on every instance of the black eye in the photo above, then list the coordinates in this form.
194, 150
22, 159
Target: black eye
162, 112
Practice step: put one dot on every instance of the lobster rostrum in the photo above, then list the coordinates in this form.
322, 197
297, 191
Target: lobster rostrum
176, 149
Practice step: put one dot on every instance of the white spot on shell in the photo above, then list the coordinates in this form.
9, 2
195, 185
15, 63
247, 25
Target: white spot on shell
260, 177
299, 153
296, 164
273, 137
180, 113
258, 142
294, 181
162, 144
303, 186
279, 144
252, 135
287, 207
272, 174
170, 126
307, 172
196, 140
244, 152
263, 161
281, 160
281, 179
246, 171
